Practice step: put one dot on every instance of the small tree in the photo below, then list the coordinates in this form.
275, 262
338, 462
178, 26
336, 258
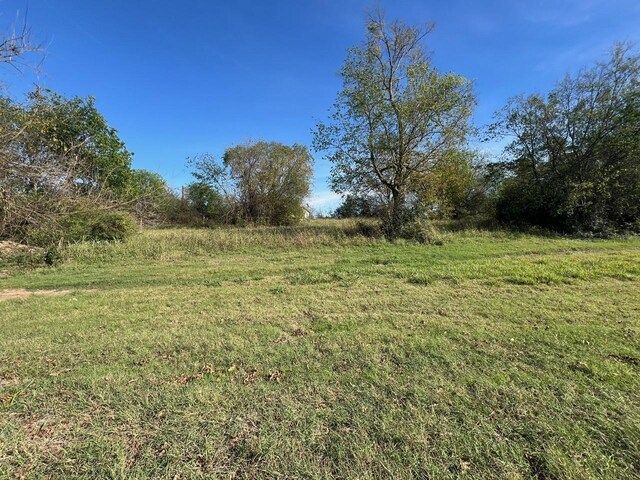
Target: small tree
208, 203
446, 190
152, 198
394, 118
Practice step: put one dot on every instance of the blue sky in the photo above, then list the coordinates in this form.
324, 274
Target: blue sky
177, 78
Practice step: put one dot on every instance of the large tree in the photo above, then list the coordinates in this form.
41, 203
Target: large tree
574, 154
394, 118
267, 181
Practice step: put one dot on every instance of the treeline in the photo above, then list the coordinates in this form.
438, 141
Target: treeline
573, 161
65, 175
399, 128
397, 139
463, 183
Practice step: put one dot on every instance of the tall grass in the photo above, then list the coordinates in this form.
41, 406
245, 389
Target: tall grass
176, 243
171, 244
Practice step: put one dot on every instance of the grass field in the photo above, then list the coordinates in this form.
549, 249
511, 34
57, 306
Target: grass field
309, 353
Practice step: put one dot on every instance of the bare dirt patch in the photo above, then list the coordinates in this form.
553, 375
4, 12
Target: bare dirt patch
22, 293
45, 434
8, 247
9, 379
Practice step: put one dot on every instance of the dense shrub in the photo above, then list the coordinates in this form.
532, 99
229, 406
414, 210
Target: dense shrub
82, 224
518, 205
98, 225
420, 231
369, 229
52, 256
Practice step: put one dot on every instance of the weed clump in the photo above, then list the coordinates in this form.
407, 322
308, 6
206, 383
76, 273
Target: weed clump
421, 231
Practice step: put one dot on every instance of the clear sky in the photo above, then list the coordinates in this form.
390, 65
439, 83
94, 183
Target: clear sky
182, 77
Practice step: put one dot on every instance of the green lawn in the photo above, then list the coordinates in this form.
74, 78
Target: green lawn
309, 353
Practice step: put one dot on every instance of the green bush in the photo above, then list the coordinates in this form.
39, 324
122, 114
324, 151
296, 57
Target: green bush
52, 256
98, 225
420, 231
83, 224
369, 229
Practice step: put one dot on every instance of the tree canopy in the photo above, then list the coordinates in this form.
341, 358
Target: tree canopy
54, 152
267, 181
394, 117
574, 155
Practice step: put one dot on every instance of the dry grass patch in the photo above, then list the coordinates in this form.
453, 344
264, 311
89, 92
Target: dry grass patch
8, 247
23, 293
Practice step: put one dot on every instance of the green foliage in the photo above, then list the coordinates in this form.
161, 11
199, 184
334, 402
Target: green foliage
450, 188
420, 231
574, 160
147, 183
53, 256
353, 206
368, 229
394, 117
263, 182
86, 222
272, 180
63, 169
208, 203
73, 134
98, 225
152, 199
23, 260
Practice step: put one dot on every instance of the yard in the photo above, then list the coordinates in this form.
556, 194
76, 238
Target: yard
307, 352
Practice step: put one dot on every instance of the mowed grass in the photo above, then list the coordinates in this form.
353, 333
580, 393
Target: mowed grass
312, 353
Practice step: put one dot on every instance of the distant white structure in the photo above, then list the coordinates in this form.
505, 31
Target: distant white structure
306, 212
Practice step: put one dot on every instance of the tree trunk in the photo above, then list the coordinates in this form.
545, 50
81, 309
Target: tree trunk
396, 214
